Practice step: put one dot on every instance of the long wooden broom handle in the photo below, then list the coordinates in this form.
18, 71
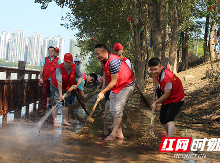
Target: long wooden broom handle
152, 113
97, 101
70, 90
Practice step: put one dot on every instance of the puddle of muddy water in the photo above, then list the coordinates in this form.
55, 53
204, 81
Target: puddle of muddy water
21, 143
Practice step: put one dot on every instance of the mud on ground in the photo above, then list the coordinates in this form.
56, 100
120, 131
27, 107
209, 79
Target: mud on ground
201, 110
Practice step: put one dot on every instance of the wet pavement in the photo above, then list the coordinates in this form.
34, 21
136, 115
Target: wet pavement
21, 142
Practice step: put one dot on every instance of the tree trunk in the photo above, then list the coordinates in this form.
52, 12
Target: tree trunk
185, 53
205, 44
139, 33
166, 43
157, 18
164, 30
211, 41
148, 53
174, 39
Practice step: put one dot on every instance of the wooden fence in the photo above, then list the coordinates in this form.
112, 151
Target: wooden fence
14, 94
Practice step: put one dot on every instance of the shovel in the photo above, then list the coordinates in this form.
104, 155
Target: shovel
39, 124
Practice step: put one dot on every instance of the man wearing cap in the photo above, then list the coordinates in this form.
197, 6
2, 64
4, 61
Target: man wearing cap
48, 67
62, 79
77, 62
121, 83
57, 51
118, 50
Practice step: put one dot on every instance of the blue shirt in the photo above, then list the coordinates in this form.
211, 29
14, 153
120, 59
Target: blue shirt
115, 65
81, 86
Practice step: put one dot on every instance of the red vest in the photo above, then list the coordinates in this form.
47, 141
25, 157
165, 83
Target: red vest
84, 77
67, 80
49, 67
177, 93
125, 76
124, 59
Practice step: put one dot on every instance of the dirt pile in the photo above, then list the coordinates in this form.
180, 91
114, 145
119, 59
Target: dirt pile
201, 110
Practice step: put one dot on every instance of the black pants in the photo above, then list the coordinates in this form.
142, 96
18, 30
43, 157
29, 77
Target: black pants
169, 111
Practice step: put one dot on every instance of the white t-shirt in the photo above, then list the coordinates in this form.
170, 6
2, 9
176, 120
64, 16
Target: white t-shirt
128, 63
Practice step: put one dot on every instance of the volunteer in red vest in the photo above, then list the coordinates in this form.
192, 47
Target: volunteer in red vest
57, 51
91, 78
118, 50
86, 79
48, 67
62, 79
172, 94
121, 83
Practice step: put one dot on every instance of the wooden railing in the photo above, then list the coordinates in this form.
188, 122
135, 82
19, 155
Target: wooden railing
14, 94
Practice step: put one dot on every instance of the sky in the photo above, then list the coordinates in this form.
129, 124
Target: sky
27, 15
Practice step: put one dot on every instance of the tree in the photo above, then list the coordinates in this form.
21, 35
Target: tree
107, 23
213, 24
93, 65
174, 35
132, 22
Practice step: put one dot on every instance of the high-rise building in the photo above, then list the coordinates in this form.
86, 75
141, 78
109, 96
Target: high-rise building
55, 42
75, 51
17, 44
34, 49
59, 42
4, 45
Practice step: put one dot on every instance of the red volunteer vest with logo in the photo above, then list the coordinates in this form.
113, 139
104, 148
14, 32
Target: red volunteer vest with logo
125, 76
177, 93
67, 80
49, 67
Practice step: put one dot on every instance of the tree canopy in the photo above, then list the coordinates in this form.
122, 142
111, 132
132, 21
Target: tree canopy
144, 28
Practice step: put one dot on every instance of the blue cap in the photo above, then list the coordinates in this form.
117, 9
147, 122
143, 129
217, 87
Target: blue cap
76, 59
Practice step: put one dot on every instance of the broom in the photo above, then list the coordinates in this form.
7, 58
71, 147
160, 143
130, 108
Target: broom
146, 101
84, 106
150, 129
83, 133
39, 124
90, 120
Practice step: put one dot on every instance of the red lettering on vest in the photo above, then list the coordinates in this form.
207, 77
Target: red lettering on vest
177, 92
67, 80
49, 67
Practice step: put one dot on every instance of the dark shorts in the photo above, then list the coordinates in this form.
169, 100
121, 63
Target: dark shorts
169, 111
72, 98
55, 96
107, 96
49, 94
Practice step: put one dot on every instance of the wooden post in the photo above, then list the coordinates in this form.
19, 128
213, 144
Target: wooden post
27, 111
34, 106
21, 66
